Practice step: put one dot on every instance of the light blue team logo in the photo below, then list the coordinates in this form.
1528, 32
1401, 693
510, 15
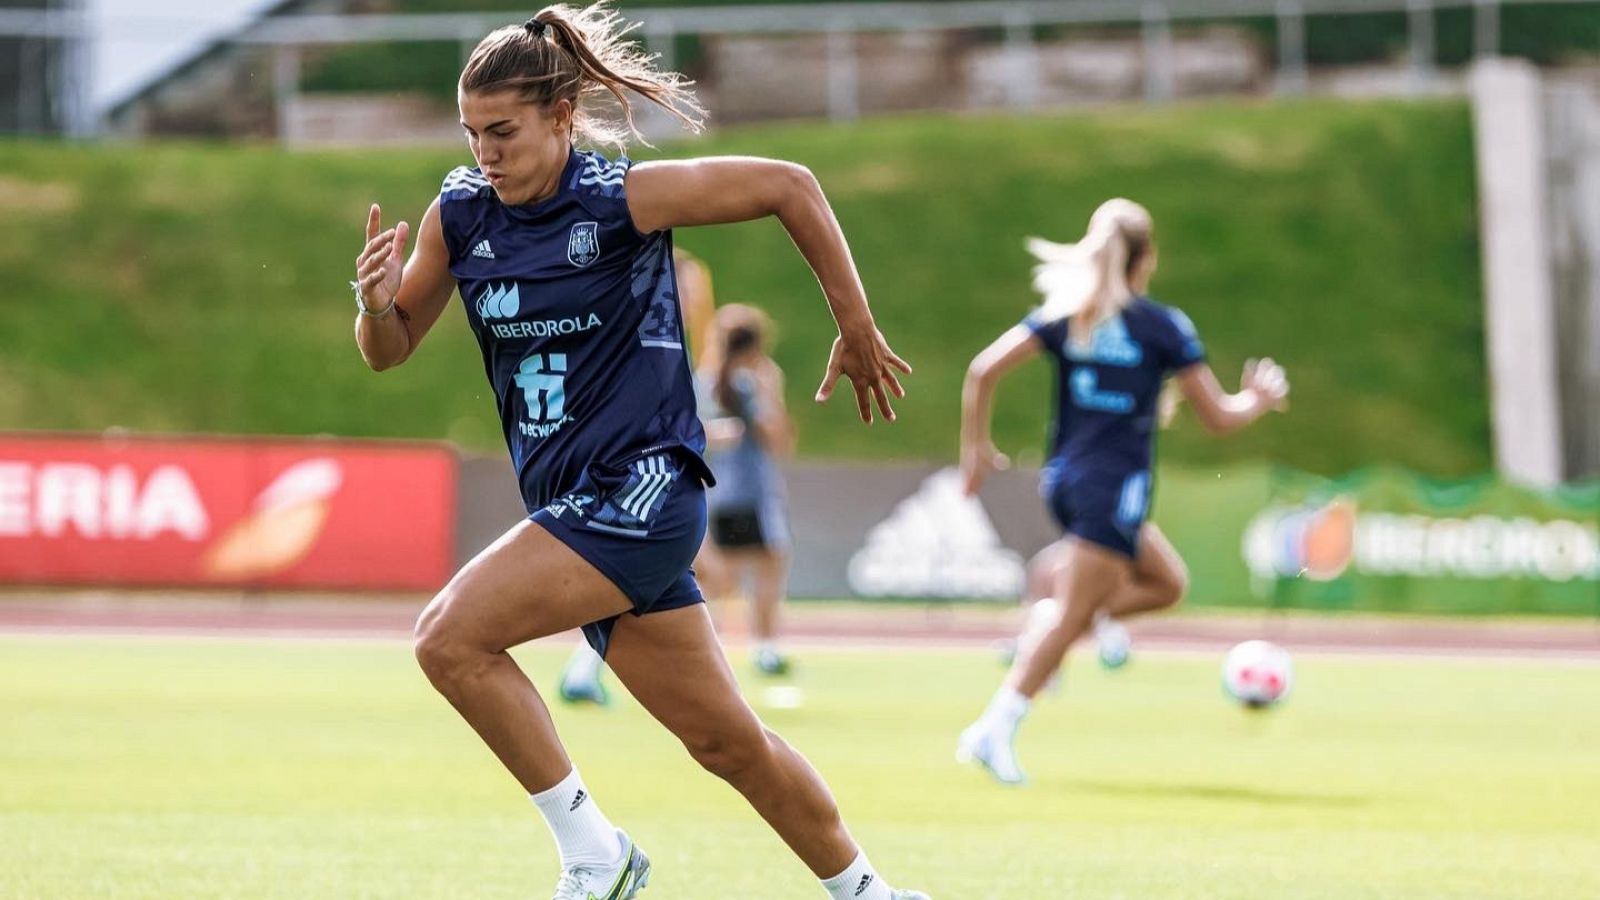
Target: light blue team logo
499, 302
1109, 345
543, 385
583, 244
1087, 393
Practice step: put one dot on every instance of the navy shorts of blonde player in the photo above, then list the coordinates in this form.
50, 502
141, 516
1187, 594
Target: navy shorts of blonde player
1103, 508
640, 524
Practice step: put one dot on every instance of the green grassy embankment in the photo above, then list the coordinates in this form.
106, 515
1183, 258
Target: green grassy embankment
202, 287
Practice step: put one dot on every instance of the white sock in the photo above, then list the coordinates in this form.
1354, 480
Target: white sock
1006, 709
584, 836
585, 663
859, 882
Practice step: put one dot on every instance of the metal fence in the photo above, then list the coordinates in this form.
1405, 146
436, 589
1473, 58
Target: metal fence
841, 23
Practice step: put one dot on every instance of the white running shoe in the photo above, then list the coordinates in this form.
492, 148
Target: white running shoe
623, 882
908, 895
1114, 642
982, 745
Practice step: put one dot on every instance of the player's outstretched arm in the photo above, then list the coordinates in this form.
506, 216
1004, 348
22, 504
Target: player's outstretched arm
1262, 389
718, 190
773, 426
401, 301
979, 457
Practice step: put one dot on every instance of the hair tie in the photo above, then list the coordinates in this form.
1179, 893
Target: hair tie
534, 27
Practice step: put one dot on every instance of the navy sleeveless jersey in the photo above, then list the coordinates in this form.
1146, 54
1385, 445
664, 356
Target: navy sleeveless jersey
576, 312
1107, 392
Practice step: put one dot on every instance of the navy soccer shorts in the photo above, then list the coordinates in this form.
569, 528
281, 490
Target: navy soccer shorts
1104, 508
641, 525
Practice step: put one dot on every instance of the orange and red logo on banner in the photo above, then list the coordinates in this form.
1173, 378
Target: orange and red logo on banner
268, 513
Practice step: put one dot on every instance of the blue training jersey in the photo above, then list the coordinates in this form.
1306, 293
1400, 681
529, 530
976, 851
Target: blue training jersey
576, 312
1107, 392
747, 475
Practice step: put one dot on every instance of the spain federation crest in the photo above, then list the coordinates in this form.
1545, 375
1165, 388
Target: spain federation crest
583, 244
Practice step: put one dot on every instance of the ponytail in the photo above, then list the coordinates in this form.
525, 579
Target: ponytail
567, 53
1087, 282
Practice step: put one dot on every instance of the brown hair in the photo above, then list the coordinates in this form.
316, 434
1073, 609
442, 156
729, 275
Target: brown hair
740, 329
567, 53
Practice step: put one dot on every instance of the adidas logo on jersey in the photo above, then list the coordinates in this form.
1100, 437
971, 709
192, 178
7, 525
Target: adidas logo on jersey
484, 250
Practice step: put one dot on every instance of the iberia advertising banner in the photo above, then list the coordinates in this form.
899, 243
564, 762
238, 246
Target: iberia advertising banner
1386, 540
208, 512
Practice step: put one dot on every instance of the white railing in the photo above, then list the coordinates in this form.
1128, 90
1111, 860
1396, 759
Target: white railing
840, 21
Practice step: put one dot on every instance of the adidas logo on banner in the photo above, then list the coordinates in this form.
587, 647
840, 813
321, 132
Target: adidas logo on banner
578, 801
484, 250
936, 543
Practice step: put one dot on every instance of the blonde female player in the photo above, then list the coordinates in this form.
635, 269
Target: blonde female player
1113, 348
564, 262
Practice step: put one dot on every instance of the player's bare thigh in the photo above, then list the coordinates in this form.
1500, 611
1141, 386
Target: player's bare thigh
1159, 563
525, 585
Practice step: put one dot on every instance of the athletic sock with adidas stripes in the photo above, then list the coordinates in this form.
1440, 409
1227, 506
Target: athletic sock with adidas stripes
584, 836
859, 882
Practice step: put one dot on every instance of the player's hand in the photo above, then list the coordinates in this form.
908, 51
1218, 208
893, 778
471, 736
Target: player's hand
864, 357
978, 462
1268, 381
769, 380
379, 266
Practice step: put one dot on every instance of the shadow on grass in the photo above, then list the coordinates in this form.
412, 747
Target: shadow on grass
1222, 792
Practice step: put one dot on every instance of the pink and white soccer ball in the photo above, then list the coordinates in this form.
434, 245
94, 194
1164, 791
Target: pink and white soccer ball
1257, 673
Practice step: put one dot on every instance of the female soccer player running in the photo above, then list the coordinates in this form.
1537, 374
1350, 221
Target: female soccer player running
564, 263
749, 432
1113, 347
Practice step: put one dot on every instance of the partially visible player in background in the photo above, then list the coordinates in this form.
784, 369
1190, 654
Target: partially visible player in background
582, 678
1113, 642
698, 300
1113, 348
748, 432
1164, 586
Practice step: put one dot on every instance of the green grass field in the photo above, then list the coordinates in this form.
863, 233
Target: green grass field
209, 768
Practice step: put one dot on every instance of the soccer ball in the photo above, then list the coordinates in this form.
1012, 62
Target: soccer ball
1257, 673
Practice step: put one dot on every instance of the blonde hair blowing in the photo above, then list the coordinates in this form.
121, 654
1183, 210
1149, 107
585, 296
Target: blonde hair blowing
1089, 280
